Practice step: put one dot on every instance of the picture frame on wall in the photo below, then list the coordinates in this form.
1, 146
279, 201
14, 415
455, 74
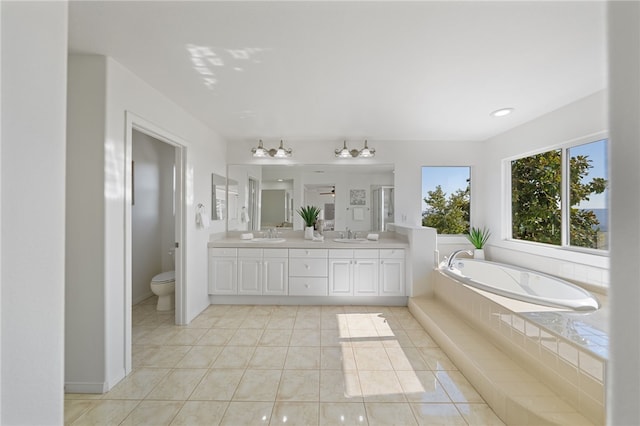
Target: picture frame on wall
358, 197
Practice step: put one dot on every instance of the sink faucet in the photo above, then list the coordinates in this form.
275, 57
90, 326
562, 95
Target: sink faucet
349, 234
453, 255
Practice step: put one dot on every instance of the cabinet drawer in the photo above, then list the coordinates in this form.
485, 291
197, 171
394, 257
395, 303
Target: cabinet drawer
307, 267
249, 252
270, 253
312, 286
304, 253
341, 254
392, 254
365, 254
223, 252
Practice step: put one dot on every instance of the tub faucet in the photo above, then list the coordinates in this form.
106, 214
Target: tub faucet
453, 255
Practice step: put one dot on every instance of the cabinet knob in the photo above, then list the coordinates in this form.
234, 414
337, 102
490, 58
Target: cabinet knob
382, 261
307, 266
307, 285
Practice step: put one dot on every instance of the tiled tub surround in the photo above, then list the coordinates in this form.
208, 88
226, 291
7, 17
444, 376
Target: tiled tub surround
566, 351
295, 365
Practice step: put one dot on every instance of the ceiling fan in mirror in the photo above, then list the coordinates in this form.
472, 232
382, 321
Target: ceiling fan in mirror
332, 193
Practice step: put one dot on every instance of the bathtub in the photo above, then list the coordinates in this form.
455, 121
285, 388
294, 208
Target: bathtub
521, 284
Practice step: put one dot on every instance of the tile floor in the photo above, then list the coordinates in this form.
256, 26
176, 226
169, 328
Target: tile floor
294, 365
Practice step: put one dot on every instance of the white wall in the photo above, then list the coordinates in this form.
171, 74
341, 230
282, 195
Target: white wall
34, 72
152, 218
581, 120
623, 375
84, 249
205, 154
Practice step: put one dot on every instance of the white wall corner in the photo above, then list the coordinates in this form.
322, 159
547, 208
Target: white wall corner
423, 244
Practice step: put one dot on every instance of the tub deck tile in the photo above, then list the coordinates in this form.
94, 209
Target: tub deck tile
515, 395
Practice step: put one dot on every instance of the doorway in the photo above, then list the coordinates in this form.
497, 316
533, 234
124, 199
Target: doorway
152, 214
169, 251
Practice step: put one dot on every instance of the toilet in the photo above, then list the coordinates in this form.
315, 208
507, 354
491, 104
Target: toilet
164, 286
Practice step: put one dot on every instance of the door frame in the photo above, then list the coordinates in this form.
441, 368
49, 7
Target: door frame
135, 122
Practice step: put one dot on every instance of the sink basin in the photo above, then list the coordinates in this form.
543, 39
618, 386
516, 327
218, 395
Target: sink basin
353, 240
268, 240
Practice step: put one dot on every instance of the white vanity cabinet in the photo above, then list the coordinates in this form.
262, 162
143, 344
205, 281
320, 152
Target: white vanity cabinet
249, 271
223, 271
275, 270
308, 272
263, 271
353, 272
392, 272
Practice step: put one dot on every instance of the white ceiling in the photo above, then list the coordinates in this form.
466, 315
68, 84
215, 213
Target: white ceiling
311, 71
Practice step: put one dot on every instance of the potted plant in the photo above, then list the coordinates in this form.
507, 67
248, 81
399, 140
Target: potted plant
478, 237
309, 215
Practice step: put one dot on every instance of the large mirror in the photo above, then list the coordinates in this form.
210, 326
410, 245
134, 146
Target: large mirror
358, 197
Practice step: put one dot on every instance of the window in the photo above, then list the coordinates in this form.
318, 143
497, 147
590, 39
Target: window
559, 197
446, 199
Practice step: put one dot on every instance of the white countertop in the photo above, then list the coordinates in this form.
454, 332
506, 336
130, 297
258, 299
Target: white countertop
297, 242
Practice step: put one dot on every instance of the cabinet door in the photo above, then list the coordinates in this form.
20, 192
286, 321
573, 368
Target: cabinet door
275, 276
391, 277
249, 275
340, 282
365, 277
223, 278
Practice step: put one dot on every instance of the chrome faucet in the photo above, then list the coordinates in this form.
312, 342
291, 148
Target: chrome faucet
453, 255
349, 234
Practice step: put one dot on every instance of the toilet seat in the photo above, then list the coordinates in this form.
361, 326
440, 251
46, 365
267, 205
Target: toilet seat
164, 277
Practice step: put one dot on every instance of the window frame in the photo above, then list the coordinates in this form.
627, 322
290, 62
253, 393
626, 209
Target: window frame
564, 202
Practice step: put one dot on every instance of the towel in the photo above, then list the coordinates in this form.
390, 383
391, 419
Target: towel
373, 237
358, 213
202, 220
247, 236
244, 216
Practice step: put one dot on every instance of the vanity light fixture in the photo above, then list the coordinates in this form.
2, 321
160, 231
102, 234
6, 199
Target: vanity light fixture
366, 152
345, 152
261, 152
501, 112
281, 152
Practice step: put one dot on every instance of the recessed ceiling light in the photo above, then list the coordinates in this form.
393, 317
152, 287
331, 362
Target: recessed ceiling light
501, 112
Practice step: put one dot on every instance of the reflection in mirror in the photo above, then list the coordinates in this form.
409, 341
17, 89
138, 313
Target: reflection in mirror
354, 196
218, 197
322, 196
275, 211
381, 207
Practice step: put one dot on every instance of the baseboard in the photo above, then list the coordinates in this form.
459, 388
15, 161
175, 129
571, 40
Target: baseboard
80, 387
141, 298
309, 300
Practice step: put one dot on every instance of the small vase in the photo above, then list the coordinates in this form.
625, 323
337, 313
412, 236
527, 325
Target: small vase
308, 233
478, 254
